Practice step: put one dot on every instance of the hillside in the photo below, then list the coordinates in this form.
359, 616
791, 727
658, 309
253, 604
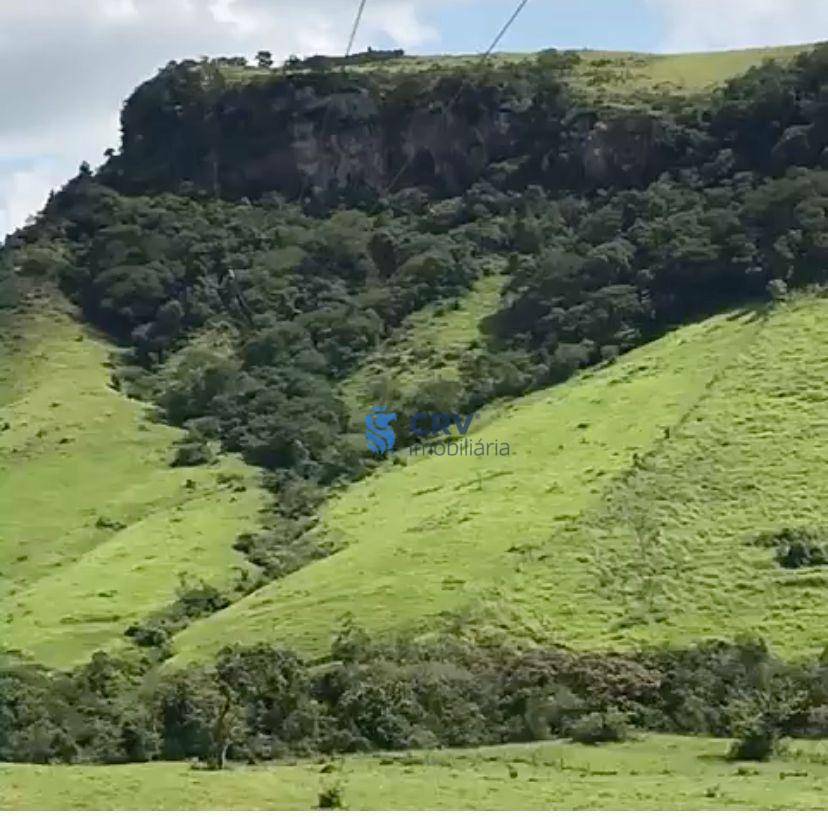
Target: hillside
428, 346
568, 540
95, 527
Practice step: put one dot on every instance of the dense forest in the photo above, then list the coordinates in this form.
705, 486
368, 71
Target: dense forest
297, 220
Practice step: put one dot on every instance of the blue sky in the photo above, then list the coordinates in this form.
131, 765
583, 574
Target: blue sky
600, 24
67, 65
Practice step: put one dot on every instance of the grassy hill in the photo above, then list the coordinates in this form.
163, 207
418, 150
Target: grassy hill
95, 527
623, 536
656, 772
639, 485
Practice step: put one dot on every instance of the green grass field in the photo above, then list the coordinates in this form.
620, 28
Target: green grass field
620, 520
95, 527
656, 772
621, 77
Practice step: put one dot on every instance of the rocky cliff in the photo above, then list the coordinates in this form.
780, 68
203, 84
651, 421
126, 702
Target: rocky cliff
331, 135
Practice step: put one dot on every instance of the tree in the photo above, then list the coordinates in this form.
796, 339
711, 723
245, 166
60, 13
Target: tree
264, 59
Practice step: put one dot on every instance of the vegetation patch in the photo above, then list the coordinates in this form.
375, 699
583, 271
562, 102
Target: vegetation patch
795, 548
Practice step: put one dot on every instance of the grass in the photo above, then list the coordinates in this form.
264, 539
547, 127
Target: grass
620, 520
617, 76
95, 527
622, 77
657, 772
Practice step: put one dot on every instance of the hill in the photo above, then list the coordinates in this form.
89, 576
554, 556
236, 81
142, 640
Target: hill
599, 531
621, 74
96, 529
607, 275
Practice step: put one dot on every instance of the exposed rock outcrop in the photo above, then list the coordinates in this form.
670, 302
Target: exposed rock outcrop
327, 136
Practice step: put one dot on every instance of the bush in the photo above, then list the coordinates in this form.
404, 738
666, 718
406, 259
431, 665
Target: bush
757, 739
600, 727
817, 726
189, 454
330, 798
796, 547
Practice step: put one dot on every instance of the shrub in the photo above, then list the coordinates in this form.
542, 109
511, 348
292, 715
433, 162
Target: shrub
189, 454
330, 798
148, 635
801, 554
756, 739
796, 547
600, 727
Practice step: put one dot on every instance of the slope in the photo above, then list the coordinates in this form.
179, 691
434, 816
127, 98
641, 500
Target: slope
620, 518
95, 527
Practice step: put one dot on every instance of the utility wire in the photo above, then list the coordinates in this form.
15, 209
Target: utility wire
326, 119
354, 30
521, 6
483, 57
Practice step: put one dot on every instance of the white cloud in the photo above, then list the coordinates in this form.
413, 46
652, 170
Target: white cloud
707, 25
22, 192
66, 67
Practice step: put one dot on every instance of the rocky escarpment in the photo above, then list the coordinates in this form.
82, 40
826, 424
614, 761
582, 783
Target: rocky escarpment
330, 135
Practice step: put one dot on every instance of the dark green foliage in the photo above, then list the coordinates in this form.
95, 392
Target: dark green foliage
285, 546
600, 727
331, 798
319, 62
756, 739
264, 59
95, 714
194, 600
262, 703
191, 452
796, 547
802, 555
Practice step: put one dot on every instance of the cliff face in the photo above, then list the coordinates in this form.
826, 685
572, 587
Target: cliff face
328, 137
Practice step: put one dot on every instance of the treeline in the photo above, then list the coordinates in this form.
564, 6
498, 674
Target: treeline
263, 703
595, 279
320, 62
294, 303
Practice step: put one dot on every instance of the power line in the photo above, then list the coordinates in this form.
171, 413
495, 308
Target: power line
329, 106
521, 6
483, 57
354, 30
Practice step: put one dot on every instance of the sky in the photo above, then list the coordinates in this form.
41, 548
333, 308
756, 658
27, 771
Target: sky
67, 65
